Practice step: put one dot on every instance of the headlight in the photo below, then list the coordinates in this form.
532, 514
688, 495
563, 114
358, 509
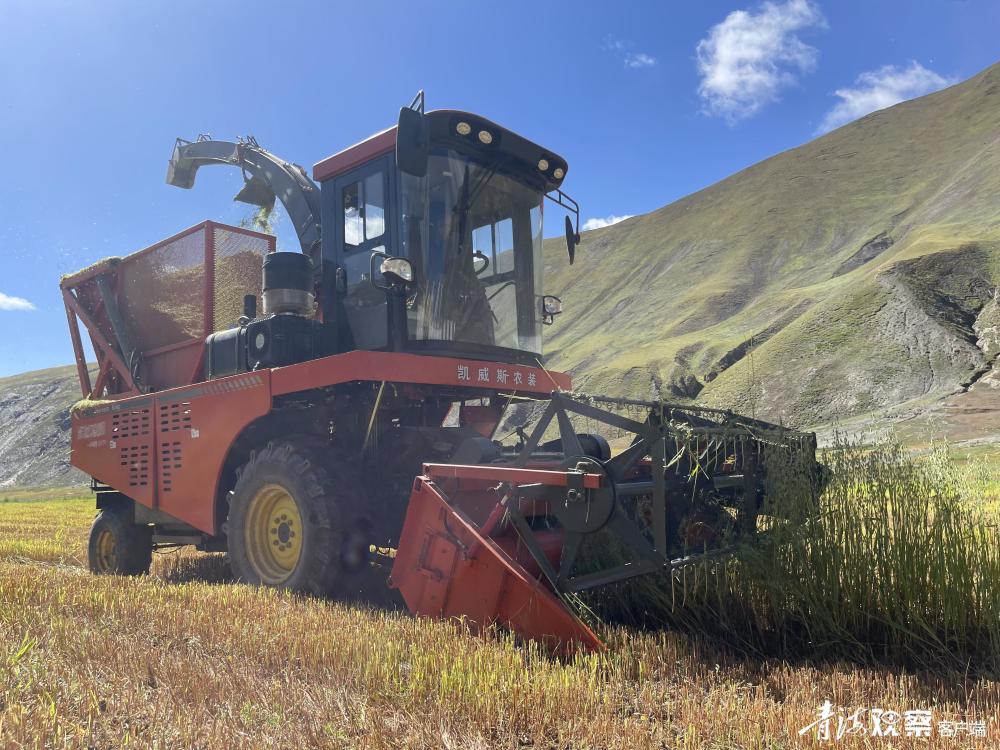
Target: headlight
463, 128
543, 164
485, 137
558, 173
398, 267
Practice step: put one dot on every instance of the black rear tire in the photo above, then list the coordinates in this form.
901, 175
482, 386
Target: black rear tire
117, 545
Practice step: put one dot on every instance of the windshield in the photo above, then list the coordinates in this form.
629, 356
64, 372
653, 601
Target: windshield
474, 237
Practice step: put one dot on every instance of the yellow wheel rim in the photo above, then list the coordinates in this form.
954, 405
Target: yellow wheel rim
273, 534
107, 560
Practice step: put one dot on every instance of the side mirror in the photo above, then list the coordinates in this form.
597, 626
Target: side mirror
412, 143
551, 306
398, 272
572, 240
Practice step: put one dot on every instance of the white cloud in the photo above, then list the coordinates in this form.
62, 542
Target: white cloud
14, 303
748, 58
607, 221
878, 89
639, 60
629, 58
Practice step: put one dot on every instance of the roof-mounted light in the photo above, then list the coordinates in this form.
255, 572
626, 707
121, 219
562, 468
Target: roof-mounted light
558, 173
485, 137
543, 164
463, 128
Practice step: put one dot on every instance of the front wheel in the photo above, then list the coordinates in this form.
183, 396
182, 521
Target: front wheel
290, 521
117, 546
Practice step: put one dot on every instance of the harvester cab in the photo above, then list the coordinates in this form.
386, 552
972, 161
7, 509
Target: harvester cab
432, 234
378, 399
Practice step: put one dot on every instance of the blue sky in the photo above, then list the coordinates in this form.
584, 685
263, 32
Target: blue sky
648, 101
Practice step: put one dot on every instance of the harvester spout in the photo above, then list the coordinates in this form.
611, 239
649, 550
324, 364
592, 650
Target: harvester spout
266, 178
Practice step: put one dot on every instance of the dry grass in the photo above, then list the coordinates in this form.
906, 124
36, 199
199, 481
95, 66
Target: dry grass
173, 661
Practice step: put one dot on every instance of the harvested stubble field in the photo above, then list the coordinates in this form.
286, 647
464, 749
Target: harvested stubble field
185, 658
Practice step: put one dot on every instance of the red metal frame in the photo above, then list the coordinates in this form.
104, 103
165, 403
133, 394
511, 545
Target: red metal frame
513, 475
81, 361
102, 376
105, 351
208, 286
100, 343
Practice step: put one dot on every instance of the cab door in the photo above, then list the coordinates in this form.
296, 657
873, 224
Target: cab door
363, 227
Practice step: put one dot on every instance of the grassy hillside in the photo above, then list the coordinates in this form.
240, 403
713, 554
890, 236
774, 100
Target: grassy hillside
34, 439
850, 274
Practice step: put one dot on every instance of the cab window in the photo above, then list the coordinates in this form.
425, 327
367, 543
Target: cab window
496, 242
364, 210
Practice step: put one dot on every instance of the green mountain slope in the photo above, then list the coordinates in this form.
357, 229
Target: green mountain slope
853, 273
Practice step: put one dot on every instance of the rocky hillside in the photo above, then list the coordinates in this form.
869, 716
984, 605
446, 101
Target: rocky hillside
851, 275
34, 428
